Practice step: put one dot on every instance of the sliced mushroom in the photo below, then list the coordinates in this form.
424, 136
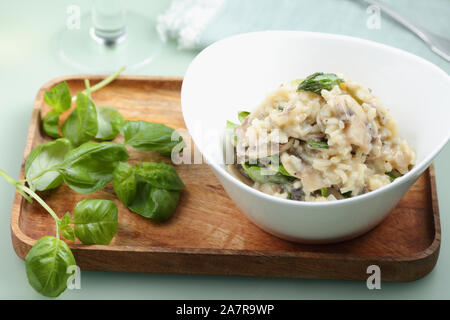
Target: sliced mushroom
355, 119
356, 130
401, 162
312, 179
335, 192
292, 164
357, 134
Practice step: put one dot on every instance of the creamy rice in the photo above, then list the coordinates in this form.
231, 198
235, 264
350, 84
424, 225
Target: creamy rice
339, 143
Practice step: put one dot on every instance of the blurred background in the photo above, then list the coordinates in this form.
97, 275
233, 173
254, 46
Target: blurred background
40, 40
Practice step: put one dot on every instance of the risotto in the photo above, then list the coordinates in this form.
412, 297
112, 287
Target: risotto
323, 138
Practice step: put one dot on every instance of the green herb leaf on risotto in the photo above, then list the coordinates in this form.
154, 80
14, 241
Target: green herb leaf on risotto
391, 176
324, 192
283, 171
347, 194
230, 130
318, 144
242, 115
318, 81
265, 175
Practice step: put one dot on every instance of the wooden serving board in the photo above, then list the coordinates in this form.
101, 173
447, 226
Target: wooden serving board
208, 234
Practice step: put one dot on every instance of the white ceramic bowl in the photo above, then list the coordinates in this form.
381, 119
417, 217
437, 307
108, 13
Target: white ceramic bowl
236, 74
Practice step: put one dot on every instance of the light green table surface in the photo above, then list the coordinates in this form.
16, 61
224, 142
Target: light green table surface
27, 60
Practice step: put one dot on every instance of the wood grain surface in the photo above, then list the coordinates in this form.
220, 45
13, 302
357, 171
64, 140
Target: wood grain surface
208, 234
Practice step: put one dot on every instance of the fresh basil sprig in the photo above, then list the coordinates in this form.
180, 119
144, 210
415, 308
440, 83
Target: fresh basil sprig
149, 189
60, 99
319, 81
147, 136
47, 263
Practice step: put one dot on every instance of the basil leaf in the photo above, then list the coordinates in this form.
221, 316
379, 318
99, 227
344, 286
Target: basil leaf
391, 176
230, 127
59, 97
324, 192
283, 171
124, 183
347, 194
318, 144
144, 189
81, 125
154, 203
46, 266
242, 115
50, 124
45, 157
165, 203
64, 227
160, 175
264, 175
319, 81
109, 123
90, 167
297, 81
277, 165
95, 221
148, 136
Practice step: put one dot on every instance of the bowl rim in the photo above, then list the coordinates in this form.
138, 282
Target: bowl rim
416, 170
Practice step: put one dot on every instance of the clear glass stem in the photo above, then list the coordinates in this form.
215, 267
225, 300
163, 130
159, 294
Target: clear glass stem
109, 21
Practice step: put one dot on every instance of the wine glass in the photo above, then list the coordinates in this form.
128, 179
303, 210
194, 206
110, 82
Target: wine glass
108, 38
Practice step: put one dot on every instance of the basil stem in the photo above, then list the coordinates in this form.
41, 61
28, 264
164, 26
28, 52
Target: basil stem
104, 82
33, 195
